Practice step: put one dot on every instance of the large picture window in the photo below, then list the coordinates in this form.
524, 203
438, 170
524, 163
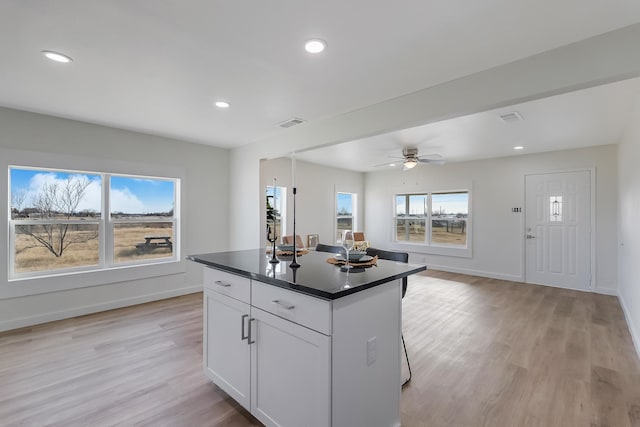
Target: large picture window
67, 221
435, 219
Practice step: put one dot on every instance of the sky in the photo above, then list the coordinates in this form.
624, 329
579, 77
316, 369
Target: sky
345, 203
128, 194
451, 203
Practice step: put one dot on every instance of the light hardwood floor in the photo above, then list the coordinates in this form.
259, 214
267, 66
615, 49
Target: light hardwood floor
484, 352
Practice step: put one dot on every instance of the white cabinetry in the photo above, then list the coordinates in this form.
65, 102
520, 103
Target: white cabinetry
226, 354
226, 322
263, 361
295, 360
291, 373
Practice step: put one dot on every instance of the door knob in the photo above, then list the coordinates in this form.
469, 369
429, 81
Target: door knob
529, 236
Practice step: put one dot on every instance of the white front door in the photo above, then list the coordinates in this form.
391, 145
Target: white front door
558, 229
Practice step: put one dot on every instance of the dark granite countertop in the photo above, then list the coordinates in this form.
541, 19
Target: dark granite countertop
315, 276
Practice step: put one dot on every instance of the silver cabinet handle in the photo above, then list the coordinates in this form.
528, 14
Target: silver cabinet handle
244, 337
285, 305
223, 284
530, 236
249, 340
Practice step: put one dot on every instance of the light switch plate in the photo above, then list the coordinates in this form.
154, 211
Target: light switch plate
372, 350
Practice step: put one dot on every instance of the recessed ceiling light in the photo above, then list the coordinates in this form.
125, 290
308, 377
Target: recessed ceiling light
222, 104
56, 56
518, 147
392, 164
315, 46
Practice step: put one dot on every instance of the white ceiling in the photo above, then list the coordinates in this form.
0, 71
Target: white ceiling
589, 117
156, 66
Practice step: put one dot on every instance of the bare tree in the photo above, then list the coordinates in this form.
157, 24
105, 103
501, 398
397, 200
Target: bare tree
59, 202
18, 198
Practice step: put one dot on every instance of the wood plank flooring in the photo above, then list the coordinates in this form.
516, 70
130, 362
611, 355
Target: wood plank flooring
488, 352
483, 352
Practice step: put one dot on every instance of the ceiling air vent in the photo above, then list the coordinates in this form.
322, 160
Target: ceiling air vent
291, 122
511, 117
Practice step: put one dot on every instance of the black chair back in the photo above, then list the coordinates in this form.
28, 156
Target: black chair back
392, 256
328, 248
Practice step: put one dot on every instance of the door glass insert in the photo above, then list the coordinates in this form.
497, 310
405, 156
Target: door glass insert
555, 208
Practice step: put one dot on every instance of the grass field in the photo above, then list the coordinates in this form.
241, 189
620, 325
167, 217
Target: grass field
439, 235
31, 257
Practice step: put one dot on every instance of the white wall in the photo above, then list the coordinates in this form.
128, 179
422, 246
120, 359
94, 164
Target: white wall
205, 209
605, 58
497, 186
315, 199
629, 226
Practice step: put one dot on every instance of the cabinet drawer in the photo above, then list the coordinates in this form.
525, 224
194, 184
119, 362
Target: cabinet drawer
235, 286
314, 313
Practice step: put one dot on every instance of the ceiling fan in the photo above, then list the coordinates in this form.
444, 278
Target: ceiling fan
410, 158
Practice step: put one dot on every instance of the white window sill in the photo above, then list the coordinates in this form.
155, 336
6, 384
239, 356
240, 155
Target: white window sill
59, 282
459, 252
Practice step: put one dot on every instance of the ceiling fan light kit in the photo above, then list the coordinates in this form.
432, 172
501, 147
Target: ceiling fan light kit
410, 159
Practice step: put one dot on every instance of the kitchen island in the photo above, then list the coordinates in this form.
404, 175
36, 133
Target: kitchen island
312, 346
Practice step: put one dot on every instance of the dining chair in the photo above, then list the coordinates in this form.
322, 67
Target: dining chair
288, 240
358, 236
401, 257
329, 248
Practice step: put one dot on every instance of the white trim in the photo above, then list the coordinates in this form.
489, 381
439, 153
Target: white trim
56, 280
635, 337
87, 278
601, 291
512, 278
594, 211
428, 247
354, 211
433, 249
604, 291
471, 272
95, 308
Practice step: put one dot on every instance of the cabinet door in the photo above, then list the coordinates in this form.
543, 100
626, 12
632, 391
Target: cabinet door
226, 352
290, 373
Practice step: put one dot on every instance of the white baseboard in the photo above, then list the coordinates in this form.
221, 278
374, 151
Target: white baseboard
94, 308
512, 278
470, 272
605, 291
602, 291
632, 329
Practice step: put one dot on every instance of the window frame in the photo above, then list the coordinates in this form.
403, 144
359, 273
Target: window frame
59, 280
106, 228
353, 216
428, 247
112, 222
283, 210
407, 216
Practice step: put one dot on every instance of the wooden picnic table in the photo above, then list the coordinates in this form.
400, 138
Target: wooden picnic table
155, 242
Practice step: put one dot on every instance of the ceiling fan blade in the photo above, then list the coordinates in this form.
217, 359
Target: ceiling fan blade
388, 164
430, 156
432, 161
